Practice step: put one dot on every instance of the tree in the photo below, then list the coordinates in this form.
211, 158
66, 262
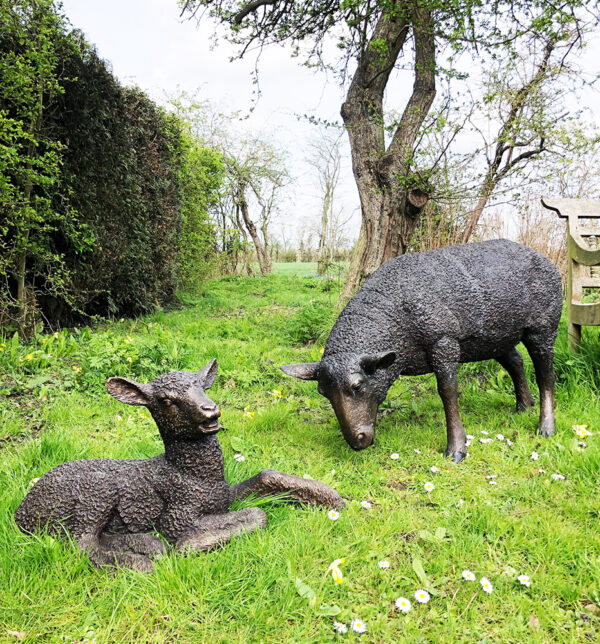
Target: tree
373, 37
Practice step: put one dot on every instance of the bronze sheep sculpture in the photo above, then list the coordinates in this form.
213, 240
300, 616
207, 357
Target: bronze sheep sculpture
427, 313
113, 507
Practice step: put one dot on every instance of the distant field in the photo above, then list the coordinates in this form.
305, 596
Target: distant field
499, 513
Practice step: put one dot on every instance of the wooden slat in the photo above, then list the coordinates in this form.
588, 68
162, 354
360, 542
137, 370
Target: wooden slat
585, 314
577, 207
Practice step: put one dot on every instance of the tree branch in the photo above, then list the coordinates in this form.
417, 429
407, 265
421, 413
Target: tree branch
251, 7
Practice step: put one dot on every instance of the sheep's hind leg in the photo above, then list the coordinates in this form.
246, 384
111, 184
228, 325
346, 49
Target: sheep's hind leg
512, 361
272, 482
214, 530
101, 556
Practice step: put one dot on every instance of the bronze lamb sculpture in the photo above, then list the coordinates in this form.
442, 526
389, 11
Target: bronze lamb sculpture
428, 312
111, 507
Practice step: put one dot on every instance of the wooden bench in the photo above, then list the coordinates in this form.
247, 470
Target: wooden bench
583, 248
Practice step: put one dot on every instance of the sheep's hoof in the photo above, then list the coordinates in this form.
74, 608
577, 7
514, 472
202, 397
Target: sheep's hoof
457, 457
547, 427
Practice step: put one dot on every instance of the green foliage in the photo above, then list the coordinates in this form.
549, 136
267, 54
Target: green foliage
246, 591
311, 323
104, 195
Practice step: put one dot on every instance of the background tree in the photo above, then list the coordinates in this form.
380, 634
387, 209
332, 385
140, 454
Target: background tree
373, 37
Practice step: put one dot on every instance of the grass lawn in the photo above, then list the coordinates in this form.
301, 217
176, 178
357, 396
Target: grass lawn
53, 408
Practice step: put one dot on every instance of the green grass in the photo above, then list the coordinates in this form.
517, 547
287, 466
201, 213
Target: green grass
54, 408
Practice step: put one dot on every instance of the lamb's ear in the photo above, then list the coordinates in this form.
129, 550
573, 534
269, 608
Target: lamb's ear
208, 374
370, 363
302, 370
128, 391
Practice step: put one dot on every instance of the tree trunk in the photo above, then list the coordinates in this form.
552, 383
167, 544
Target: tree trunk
322, 248
391, 200
263, 259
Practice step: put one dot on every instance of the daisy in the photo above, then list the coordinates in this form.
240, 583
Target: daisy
500, 437
491, 476
383, 564
557, 477
484, 432
485, 440
365, 505
403, 604
524, 580
460, 503
417, 451
240, 458
422, 596
509, 442
395, 456
339, 627
468, 443
486, 584
534, 456
470, 437
429, 486
333, 515
467, 575
541, 471
434, 469
358, 626
492, 482
581, 431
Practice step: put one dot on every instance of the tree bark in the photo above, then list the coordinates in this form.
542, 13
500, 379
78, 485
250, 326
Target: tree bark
263, 260
391, 200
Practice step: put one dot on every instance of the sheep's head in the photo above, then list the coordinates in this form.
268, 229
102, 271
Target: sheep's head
177, 401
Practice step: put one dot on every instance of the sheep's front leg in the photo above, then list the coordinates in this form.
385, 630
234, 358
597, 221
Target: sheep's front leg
216, 529
101, 555
271, 482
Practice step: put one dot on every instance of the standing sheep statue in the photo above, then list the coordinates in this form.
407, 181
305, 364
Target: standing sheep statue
111, 507
427, 313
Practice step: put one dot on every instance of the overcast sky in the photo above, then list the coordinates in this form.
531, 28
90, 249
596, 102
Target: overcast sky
148, 44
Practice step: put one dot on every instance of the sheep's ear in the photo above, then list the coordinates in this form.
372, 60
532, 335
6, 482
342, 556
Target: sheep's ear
302, 370
128, 391
370, 363
208, 374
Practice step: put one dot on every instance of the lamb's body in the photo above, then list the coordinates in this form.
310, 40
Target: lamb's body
112, 507
428, 312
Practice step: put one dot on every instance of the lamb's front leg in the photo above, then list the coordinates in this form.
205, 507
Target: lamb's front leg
214, 530
270, 482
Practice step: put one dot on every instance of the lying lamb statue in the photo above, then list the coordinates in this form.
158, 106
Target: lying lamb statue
111, 507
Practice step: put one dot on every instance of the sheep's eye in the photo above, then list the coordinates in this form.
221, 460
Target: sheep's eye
167, 402
356, 385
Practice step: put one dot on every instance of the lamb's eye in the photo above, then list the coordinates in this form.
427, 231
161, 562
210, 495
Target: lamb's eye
356, 385
167, 402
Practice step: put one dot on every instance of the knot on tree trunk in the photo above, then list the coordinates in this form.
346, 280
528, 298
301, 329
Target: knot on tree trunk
415, 202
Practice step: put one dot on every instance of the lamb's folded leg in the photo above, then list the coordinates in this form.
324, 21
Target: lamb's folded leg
100, 556
304, 490
216, 529
140, 543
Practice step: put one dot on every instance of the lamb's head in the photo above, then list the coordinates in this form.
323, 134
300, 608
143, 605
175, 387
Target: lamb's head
177, 401
355, 385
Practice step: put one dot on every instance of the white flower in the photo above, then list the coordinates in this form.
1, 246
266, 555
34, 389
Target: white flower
422, 596
557, 477
434, 469
395, 456
500, 437
429, 486
468, 444
240, 458
468, 575
383, 564
485, 440
333, 515
339, 627
460, 503
417, 451
484, 432
534, 456
403, 604
365, 505
581, 431
492, 482
541, 471
470, 437
509, 442
524, 580
491, 476
358, 626
582, 444
486, 584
